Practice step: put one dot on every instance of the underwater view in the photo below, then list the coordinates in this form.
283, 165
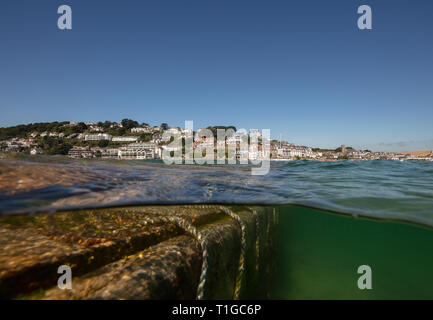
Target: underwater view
319, 254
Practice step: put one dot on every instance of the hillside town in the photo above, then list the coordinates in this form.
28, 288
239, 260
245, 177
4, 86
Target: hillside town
129, 140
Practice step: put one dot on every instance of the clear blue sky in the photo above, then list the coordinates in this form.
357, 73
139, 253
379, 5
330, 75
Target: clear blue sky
301, 68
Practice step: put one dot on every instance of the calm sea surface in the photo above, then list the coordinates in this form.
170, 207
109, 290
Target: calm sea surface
380, 188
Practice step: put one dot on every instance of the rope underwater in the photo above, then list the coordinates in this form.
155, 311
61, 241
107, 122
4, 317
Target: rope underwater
257, 237
191, 230
242, 261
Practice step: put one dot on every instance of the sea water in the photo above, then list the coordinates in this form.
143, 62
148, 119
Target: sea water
333, 216
319, 254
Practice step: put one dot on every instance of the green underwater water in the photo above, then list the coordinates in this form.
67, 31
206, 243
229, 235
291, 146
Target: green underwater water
319, 254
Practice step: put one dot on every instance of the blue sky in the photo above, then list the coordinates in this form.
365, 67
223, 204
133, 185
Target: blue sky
301, 68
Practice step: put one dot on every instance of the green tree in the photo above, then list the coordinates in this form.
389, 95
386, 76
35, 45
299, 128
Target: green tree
103, 143
128, 124
106, 124
146, 137
80, 127
215, 128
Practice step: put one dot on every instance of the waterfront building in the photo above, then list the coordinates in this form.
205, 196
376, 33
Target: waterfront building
287, 152
143, 150
81, 152
110, 153
283, 153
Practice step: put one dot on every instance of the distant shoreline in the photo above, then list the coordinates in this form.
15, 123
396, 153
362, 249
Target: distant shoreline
22, 156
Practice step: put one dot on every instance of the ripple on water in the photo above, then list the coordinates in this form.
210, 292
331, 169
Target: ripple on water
379, 188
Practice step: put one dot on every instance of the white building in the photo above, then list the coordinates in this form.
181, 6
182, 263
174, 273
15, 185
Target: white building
110, 153
96, 129
140, 151
125, 139
283, 153
141, 130
81, 152
295, 151
173, 131
71, 124
56, 134
116, 125
98, 137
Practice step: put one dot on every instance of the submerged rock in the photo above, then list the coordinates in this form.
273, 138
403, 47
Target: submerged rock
149, 252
